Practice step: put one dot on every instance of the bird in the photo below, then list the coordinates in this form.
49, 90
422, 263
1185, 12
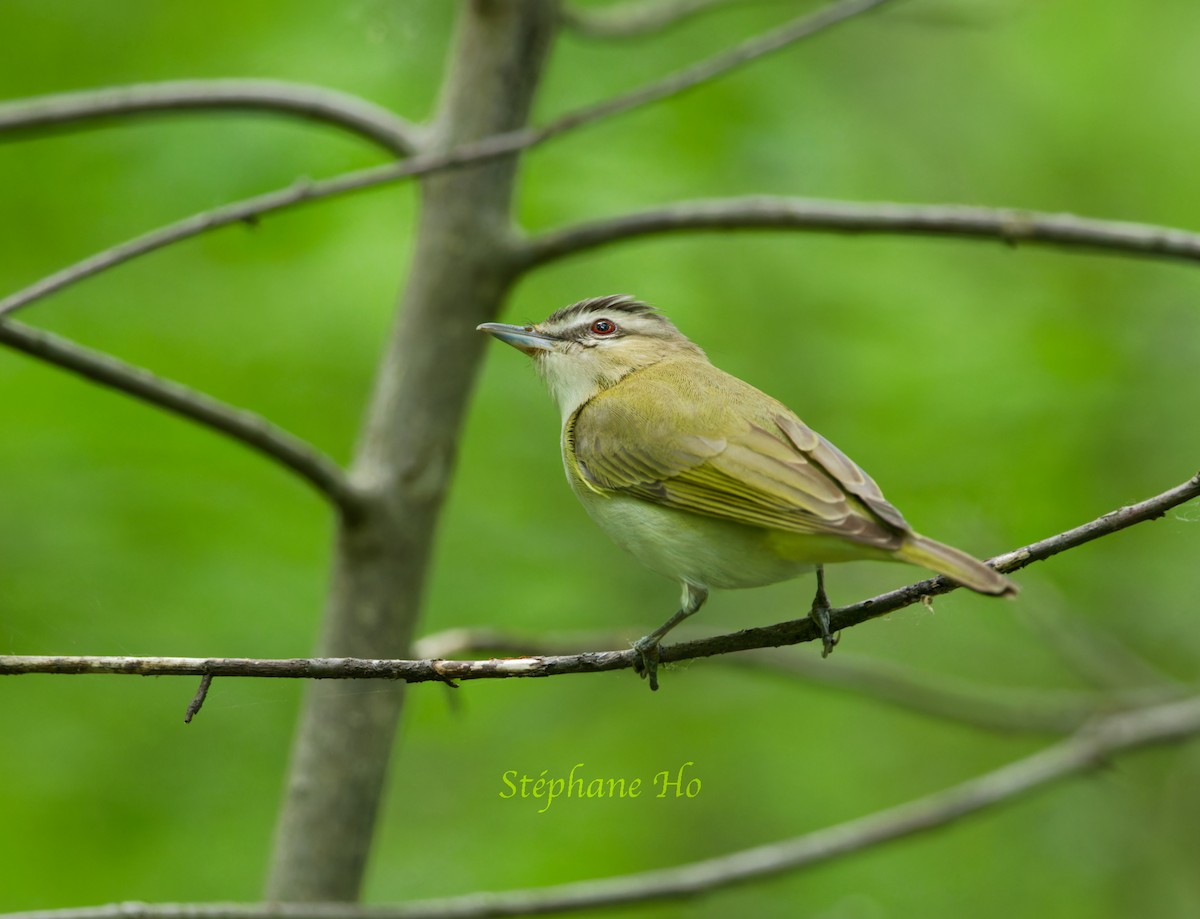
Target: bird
704, 478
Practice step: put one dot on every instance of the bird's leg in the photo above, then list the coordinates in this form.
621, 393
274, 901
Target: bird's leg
819, 614
647, 646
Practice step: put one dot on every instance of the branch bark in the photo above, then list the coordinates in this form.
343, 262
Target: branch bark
246, 427
315, 103
784, 633
1090, 748
1011, 226
460, 273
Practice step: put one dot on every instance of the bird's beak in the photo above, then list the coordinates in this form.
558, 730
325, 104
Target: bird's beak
522, 337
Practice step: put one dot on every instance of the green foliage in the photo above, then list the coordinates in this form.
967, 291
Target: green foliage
999, 395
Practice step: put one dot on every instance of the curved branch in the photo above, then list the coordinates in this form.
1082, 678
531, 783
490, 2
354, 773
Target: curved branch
247, 210
421, 671
488, 148
352, 113
243, 426
1088, 749
636, 17
1012, 226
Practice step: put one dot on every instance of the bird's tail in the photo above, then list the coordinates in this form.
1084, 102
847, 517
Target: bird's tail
956, 565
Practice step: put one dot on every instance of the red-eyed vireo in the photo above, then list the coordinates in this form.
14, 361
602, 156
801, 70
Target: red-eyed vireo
702, 477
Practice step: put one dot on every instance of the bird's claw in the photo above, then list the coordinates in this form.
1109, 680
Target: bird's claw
646, 664
820, 616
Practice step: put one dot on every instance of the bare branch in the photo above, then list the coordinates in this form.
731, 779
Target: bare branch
992, 708
316, 103
1008, 225
1088, 749
246, 210
636, 17
243, 426
316, 668
420, 671
473, 152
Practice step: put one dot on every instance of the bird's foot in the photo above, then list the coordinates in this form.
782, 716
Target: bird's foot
647, 661
819, 614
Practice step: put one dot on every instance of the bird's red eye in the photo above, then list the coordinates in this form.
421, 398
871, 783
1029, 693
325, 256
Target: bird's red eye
603, 327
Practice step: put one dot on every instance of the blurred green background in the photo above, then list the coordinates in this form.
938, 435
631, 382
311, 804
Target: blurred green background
999, 395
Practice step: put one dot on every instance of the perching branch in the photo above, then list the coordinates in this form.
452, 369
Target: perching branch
1092, 747
244, 426
785, 633
1012, 226
352, 113
464, 154
991, 708
635, 17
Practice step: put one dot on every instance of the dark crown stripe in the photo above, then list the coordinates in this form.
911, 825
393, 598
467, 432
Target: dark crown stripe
614, 303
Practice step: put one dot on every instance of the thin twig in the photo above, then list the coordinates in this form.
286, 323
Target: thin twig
317, 103
636, 17
1008, 225
249, 209
1088, 749
419, 671
198, 699
244, 426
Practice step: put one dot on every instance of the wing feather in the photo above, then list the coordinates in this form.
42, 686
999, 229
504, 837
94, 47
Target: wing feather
763, 467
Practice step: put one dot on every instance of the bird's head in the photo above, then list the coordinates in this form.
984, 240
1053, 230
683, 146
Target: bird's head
589, 346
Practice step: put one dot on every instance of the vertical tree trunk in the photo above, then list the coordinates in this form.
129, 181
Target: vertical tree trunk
458, 278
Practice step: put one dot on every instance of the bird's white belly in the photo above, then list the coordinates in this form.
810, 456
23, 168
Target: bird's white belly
704, 551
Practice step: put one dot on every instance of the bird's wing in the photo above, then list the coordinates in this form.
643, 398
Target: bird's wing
769, 470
